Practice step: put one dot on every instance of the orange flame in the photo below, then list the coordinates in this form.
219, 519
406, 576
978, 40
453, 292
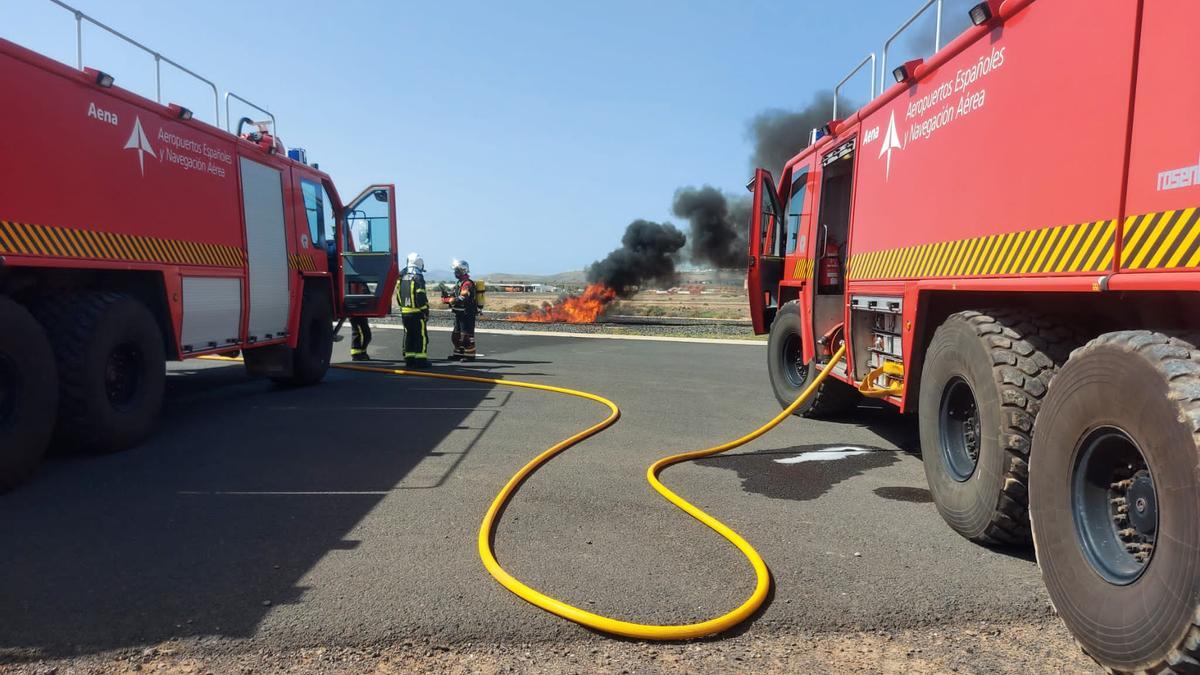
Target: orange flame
583, 308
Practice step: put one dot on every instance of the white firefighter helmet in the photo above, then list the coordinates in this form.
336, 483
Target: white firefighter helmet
460, 267
416, 262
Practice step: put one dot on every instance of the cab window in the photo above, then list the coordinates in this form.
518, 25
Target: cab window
318, 211
369, 224
796, 209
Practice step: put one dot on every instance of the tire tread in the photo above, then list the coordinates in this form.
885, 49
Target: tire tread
1176, 357
1026, 350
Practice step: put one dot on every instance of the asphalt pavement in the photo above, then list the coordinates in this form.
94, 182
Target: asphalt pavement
346, 514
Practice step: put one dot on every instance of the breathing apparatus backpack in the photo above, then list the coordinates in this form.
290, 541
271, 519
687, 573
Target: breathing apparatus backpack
480, 292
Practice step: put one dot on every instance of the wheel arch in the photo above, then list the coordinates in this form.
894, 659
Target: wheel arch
32, 285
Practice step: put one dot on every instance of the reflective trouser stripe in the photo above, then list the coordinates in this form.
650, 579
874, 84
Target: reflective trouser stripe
416, 336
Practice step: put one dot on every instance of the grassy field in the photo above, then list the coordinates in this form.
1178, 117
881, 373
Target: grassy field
729, 304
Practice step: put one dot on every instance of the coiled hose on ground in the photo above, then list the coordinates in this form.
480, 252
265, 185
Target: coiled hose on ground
590, 619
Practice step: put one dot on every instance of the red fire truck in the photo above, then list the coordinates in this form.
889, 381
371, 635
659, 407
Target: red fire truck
132, 234
1006, 242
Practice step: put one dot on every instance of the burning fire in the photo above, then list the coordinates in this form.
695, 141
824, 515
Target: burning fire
583, 308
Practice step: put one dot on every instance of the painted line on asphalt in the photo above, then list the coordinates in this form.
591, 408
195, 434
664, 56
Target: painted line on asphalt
825, 455
280, 408
589, 336
284, 493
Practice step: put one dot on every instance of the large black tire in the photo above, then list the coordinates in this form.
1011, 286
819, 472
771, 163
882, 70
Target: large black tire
314, 345
111, 370
790, 375
982, 384
28, 394
1126, 403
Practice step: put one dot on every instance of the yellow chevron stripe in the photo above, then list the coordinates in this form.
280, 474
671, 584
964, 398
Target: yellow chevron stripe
1104, 249
1051, 240
77, 243
6, 244
1003, 249
1076, 245
35, 243
1065, 247
995, 242
19, 242
1194, 260
52, 240
1185, 245
968, 257
963, 259
1135, 227
893, 259
948, 256
1148, 242
1171, 238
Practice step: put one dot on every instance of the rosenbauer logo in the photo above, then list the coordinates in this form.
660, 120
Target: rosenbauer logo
1173, 179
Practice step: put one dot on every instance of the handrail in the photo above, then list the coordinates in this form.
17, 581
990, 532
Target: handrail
158, 58
869, 58
229, 119
937, 34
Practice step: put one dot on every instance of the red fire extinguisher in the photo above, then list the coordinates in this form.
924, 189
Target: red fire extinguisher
830, 269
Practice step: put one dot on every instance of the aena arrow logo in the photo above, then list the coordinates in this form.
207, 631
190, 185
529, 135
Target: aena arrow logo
138, 141
890, 140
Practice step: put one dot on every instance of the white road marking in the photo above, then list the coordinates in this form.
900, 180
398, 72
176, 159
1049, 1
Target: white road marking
590, 336
826, 455
283, 493
370, 408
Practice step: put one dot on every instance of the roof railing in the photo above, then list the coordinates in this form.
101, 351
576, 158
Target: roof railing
229, 118
937, 35
159, 59
869, 59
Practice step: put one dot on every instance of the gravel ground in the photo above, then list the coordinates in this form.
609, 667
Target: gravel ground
973, 648
684, 328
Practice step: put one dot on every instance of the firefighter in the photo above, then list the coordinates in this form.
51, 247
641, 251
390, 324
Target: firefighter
463, 302
360, 339
414, 311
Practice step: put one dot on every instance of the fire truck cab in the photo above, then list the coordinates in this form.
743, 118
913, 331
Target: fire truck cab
1007, 243
132, 233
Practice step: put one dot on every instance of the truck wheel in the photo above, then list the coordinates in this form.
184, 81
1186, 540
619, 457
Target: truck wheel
111, 370
984, 377
790, 374
314, 346
1114, 497
28, 395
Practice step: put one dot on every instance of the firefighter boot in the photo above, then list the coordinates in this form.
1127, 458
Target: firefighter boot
456, 338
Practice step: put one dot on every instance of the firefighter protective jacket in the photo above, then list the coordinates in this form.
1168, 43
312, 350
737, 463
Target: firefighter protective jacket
410, 293
464, 297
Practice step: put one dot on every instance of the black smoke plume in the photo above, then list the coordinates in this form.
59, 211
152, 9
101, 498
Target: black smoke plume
718, 225
648, 253
779, 135
955, 20
719, 221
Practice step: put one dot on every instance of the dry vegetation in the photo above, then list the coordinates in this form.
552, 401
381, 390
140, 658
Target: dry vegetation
726, 303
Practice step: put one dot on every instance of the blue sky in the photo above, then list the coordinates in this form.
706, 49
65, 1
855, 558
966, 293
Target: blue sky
524, 135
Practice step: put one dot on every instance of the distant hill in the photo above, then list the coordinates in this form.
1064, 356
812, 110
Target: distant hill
574, 277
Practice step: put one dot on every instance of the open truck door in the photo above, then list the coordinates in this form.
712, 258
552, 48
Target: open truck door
765, 264
367, 247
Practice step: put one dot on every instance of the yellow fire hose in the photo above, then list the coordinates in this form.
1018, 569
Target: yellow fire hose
582, 616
